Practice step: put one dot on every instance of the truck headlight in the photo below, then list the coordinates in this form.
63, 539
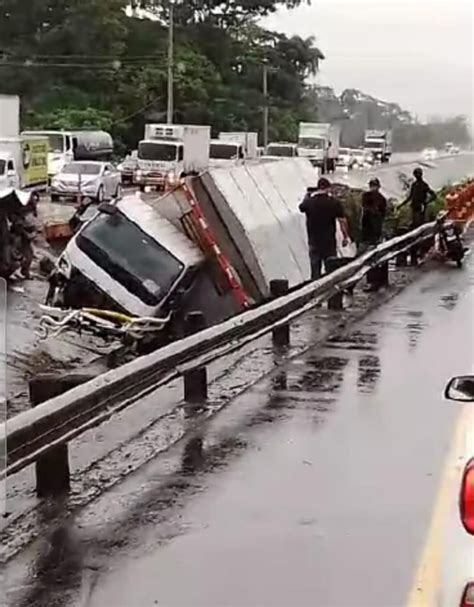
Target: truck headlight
64, 266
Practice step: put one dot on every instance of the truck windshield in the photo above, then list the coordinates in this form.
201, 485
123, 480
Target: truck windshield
312, 143
224, 151
131, 257
3, 165
167, 152
286, 151
374, 145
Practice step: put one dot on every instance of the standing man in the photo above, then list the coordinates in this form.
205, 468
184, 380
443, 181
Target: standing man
421, 195
322, 211
374, 210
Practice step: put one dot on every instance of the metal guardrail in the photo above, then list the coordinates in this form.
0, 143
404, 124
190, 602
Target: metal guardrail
32, 435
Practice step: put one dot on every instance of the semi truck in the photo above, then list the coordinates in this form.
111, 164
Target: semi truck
379, 144
169, 152
318, 140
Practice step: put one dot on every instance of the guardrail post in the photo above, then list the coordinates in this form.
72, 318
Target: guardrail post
401, 260
52, 469
195, 381
383, 274
336, 302
414, 255
281, 334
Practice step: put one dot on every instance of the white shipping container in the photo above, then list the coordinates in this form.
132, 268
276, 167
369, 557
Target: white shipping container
196, 140
9, 116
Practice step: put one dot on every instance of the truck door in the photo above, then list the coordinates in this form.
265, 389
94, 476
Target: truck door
13, 178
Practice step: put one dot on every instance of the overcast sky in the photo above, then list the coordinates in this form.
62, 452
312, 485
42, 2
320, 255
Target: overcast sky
418, 53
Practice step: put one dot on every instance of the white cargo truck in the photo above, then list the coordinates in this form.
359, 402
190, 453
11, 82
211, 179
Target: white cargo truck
379, 144
318, 140
24, 163
248, 141
169, 152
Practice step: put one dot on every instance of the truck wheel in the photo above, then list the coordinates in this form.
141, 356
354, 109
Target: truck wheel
54, 198
142, 188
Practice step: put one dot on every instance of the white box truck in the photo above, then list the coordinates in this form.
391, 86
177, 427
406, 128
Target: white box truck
248, 142
169, 152
318, 139
379, 144
24, 163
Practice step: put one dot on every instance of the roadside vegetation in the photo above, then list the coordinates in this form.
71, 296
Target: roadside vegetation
103, 64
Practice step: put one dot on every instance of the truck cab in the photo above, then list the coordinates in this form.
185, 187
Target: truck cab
379, 145
126, 258
282, 150
168, 152
223, 152
9, 175
159, 161
318, 141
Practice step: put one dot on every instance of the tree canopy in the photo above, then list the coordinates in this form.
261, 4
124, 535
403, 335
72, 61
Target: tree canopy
103, 63
84, 63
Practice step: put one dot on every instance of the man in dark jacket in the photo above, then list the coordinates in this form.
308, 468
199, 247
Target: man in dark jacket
374, 210
322, 211
421, 195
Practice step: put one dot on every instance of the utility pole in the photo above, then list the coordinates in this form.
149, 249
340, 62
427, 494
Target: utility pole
265, 105
170, 110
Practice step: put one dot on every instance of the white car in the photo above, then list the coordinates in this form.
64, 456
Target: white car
457, 589
430, 154
345, 158
97, 180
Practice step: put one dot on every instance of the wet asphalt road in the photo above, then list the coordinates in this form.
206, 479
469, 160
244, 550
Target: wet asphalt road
315, 487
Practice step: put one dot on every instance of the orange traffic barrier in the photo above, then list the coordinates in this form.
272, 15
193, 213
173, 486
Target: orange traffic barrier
460, 203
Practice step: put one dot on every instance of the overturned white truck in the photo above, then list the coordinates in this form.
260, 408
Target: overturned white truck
212, 244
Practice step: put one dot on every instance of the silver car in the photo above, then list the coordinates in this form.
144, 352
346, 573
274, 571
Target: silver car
97, 180
457, 581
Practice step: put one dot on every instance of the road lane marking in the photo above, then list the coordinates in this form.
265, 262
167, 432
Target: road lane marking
428, 577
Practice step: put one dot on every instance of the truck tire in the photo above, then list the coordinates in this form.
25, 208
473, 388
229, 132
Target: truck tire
55, 197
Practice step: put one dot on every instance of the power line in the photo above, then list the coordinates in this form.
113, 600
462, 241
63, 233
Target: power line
112, 66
